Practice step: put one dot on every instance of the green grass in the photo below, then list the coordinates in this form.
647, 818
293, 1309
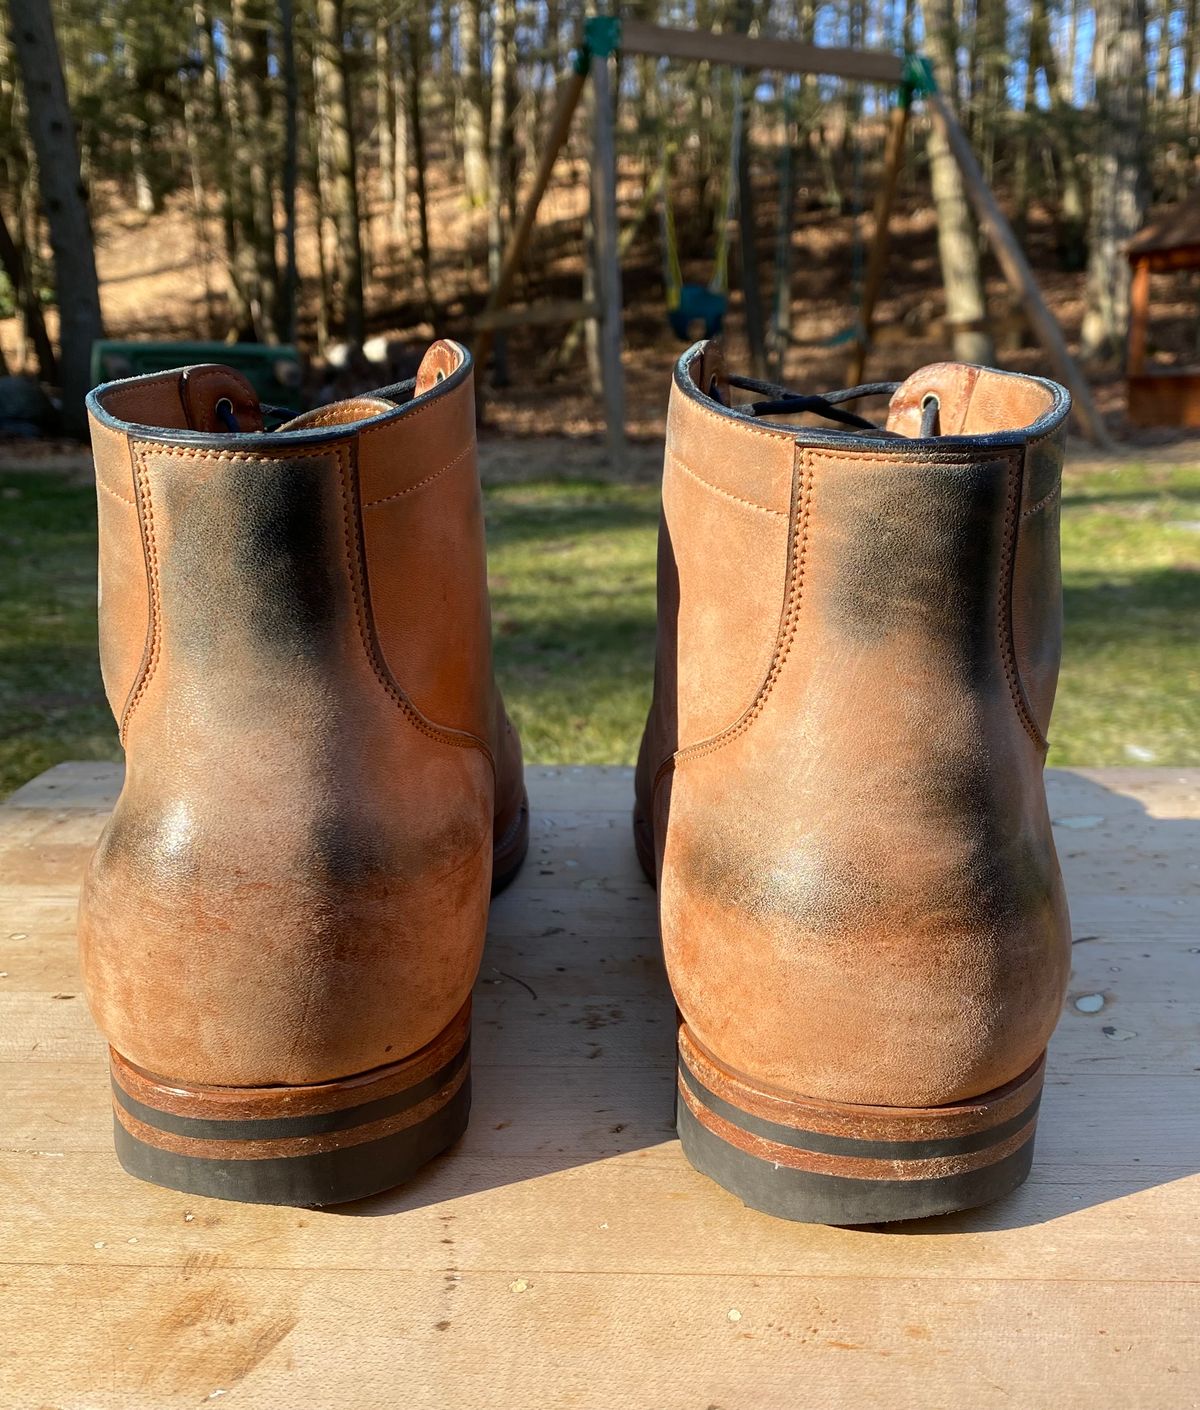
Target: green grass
573, 604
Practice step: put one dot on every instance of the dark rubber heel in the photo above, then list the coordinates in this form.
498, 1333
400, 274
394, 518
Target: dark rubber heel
829, 1163
316, 1145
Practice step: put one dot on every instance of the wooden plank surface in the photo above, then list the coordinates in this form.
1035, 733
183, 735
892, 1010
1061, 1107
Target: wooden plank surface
565, 1254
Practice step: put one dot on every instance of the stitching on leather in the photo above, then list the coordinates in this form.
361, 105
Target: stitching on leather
331, 417
1008, 653
460, 740
150, 655
741, 423
420, 484
120, 396
284, 453
1043, 502
108, 490
725, 494
415, 408
785, 637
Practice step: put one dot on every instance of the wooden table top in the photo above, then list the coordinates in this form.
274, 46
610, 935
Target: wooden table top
565, 1254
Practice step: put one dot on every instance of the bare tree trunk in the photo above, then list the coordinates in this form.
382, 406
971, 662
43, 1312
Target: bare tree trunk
12, 261
1191, 61
385, 120
199, 208
475, 158
1118, 182
966, 306
64, 199
415, 47
216, 168
1071, 216
500, 157
252, 163
289, 290
317, 180
334, 97
400, 152
1023, 164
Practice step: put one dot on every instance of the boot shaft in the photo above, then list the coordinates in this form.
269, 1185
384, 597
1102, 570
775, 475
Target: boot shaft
295, 640
220, 549
883, 557
841, 773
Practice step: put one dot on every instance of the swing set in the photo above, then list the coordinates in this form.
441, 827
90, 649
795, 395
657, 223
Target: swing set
698, 306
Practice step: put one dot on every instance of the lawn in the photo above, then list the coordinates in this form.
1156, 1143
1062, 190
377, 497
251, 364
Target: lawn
573, 602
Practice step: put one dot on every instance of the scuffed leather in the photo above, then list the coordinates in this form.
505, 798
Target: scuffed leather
859, 895
294, 884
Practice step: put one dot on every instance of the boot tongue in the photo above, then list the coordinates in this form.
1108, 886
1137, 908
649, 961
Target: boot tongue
971, 401
443, 358
341, 413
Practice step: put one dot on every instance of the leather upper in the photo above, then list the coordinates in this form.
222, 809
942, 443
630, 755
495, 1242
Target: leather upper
841, 773
295, 641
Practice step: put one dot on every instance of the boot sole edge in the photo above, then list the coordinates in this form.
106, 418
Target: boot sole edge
829, 1163
324, 1144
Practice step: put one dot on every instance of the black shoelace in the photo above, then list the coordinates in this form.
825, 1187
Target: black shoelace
225, 413
779, 401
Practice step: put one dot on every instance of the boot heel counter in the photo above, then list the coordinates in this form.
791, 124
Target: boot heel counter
265, 901
879, 918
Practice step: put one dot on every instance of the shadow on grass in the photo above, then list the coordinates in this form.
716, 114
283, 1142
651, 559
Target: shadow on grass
1149, 495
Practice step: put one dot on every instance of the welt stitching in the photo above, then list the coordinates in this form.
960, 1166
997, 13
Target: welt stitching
353, 567
725, 494
151, 654
1042, 503
420, 484
785, 638
1004, 613
107, 490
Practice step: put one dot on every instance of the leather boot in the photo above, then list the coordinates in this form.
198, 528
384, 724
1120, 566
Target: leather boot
840, 786
282, 921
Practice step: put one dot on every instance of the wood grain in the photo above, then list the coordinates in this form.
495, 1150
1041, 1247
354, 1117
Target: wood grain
564, 1254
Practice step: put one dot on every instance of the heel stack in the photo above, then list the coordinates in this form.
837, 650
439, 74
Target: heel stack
831, 1163
315, 1145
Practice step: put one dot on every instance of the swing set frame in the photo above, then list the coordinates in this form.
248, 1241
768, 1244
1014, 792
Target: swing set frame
605, 40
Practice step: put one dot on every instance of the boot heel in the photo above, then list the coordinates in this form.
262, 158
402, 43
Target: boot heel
830, 1163
313, 1145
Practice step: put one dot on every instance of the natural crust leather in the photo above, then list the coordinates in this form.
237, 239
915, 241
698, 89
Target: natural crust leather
295, 641
841, 774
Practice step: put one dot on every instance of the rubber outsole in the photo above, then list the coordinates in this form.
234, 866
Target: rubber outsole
323, 1144
832, 1163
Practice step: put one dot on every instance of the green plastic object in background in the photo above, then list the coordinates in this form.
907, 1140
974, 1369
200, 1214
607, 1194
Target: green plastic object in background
272, 369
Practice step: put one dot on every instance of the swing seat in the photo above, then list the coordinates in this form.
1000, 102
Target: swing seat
697, 303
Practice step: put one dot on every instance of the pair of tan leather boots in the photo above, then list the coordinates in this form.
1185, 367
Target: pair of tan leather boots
839, 793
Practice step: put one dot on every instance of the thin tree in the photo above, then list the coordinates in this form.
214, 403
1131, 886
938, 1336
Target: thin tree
966, 306
1118, 181
289, 289
33, 325
474, 127
334, 98
64, 200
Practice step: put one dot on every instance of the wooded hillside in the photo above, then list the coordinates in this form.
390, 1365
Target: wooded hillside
338, 168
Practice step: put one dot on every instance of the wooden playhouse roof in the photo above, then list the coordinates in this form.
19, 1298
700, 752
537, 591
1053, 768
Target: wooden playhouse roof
1176, 229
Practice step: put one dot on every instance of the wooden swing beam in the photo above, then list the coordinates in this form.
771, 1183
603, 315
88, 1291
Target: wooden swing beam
606, 38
